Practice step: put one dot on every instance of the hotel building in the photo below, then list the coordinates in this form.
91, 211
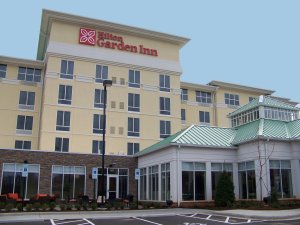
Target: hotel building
52, 107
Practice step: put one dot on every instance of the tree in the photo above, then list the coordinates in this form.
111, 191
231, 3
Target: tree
224, 191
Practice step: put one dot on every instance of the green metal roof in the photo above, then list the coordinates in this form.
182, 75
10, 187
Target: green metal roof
203, 136
266, 101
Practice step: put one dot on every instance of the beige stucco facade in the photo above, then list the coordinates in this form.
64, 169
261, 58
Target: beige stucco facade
149, 52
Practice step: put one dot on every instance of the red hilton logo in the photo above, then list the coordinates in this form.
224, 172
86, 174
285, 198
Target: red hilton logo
87, 36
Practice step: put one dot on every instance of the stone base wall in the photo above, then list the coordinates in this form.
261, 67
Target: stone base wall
47, 159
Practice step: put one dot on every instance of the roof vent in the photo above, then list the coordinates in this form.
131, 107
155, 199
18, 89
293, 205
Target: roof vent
261, 98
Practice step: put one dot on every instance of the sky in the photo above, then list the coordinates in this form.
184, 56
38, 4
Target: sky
248, 42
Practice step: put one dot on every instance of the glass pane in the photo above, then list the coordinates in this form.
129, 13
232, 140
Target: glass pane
275, 164
7, 182
251, 184
57, 185
187, 166
287, 183
123, 189
57, 169
216, 167
68, 186
79, 185
199, 185
32, 184
187, 186
285, 164
199, 166
19, 184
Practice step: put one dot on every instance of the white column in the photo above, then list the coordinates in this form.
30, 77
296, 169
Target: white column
235, 174
208, 194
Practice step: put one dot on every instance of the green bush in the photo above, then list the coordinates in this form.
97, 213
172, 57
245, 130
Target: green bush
78, 206
2, 205
274, 196
9, 207
37, 206
45, 206
20, 207
132, 205
224, 191
108, 205
94, 206
28, 207
63, 207
85, 206
52, 205
69, 206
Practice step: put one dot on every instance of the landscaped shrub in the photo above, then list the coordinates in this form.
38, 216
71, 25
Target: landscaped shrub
94, 206
224, 191
52, 205
9, 207
69, 206
274, 196
28, 207
78, 206
63, 207
2, 205
45, 207
20, 207
37, 206
85, 206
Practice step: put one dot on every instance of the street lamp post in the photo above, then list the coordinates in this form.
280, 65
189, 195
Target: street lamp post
106, 83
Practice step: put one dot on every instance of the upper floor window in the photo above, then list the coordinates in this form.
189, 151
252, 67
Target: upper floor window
99, 98
184, 95
63, 120
66, 69
164, 83
251, 99
101, 73
204, 117
165, 128
133, 102
203, 97
97, 147
280, 114
24, 122
3, 70
133, 127
29, 74
26, 100
134, 78
182, 114
231, 99
61, 144
164, 106
133, 148
98, 124
65, 94
26, 145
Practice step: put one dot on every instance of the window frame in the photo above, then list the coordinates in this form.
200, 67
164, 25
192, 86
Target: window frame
98, 147
23, 144
65, 98
25, 75
203, 97
101, 73
99, 98
98, 121
3, 70
29, 100
164, 106
135, 132
135, 100
164, 83
25, 123
164, 128
133, 148
69, 70
184, 94
66, 120
231, 99
134, 78
205, 115
64, 144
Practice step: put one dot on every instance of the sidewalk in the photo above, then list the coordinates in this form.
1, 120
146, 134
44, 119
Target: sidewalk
40, 216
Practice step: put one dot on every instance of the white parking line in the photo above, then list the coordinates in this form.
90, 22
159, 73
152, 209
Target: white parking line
88, 221
82, 221
146, 221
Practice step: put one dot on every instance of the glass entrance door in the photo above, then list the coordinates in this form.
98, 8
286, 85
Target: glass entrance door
112, 187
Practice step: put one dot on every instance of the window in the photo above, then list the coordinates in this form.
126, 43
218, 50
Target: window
184, 95
281, 178
165, 129
98, 124
245, 117
280, 114
182, 114
247, 183
26, 100
29, 74
24, 122
63, 120
153, 182
143, 184
165, 181
231, 99
203, 97
204, 117
66, 69
61, 144
65, 94
101, 73
164, 83
134, 78
26, 145
12, 180
133, 102
133, 127
193, 181
164, 106
251, 99
68, 182
3, 70
97, 147
133, 148
216, 170
99, 98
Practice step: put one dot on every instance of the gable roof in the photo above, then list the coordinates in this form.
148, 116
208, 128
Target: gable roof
216, 137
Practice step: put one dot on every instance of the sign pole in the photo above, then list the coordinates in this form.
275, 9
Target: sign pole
137, 174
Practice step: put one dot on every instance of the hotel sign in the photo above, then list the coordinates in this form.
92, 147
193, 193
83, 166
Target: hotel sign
111, 41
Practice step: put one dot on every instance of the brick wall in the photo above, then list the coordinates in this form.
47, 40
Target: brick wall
47, 159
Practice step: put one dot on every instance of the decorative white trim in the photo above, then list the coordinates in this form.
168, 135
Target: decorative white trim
149, 87
113, 56
84, 79
176, 91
